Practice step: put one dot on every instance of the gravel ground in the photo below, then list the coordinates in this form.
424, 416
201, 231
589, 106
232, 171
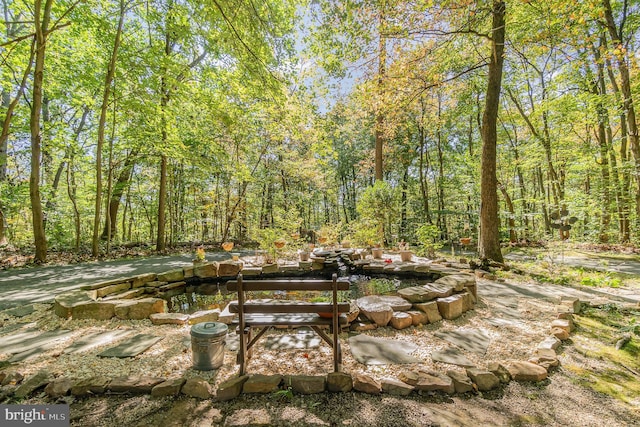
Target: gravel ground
558, 401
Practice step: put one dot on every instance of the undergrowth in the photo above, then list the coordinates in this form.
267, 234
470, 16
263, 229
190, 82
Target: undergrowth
616, 372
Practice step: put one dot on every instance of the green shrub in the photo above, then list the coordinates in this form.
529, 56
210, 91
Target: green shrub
428, 236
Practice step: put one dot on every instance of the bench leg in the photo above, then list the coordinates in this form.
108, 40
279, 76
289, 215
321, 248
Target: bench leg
240, 357
247, 337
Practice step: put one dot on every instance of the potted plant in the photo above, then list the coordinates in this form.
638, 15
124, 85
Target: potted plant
405, 253
303, 255
200, 255
376, 251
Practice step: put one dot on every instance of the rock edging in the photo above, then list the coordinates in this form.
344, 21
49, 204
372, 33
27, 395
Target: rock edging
473, 379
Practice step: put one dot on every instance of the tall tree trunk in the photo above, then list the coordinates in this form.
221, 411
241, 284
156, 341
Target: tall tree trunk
108, 80
599, 89
165, 96
489, 242
628, 106
424, 183
382, 59
442, 219
624, 173
71, 192
404, 185
41, 18
162, 201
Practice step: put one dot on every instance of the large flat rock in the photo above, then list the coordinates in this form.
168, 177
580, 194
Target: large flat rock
380, 351
452, 356
64, 303
376, 310
418, 294
20, 311
131, 347
96, 339
140, 309
473, 340
29, 340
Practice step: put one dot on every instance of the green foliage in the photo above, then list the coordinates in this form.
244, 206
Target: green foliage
258, 136
377, 286
286, 394
329, 233
378, 207
364, 232
428, 236
600, 329
605, 281
266, 238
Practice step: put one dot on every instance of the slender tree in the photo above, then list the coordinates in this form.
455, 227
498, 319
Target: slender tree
42, 16
489, 242
106, 93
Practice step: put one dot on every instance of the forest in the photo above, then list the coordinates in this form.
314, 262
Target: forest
372, 121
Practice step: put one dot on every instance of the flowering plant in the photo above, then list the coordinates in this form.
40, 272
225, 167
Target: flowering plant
200, 254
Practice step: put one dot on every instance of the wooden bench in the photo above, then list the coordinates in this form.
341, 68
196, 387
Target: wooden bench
265, 314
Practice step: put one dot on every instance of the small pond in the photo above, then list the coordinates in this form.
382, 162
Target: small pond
361, 285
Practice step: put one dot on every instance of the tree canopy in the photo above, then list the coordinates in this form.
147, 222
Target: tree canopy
175, 121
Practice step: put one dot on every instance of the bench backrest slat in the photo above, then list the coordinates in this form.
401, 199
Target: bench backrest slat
288, 285
273, 307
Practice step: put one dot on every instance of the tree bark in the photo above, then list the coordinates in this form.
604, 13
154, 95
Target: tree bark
489, 242
111, 68
625, 85
599, 89
424, 183
41, 18
162, 202
382, 59
442, 219
624, 173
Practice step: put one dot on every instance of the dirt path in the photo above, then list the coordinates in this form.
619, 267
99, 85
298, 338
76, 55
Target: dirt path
42, 284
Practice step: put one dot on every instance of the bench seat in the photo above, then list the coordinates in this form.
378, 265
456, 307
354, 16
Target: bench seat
263, 314
259, 320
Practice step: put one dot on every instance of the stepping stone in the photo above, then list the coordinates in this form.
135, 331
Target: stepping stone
22, 311
380, 351
452, 356
131, 347
473, 340
95, 340
12, 328
302, 340
506, 313
499, 322
29, 340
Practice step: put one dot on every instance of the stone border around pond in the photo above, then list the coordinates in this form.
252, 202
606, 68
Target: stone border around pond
144, 296
474, 379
